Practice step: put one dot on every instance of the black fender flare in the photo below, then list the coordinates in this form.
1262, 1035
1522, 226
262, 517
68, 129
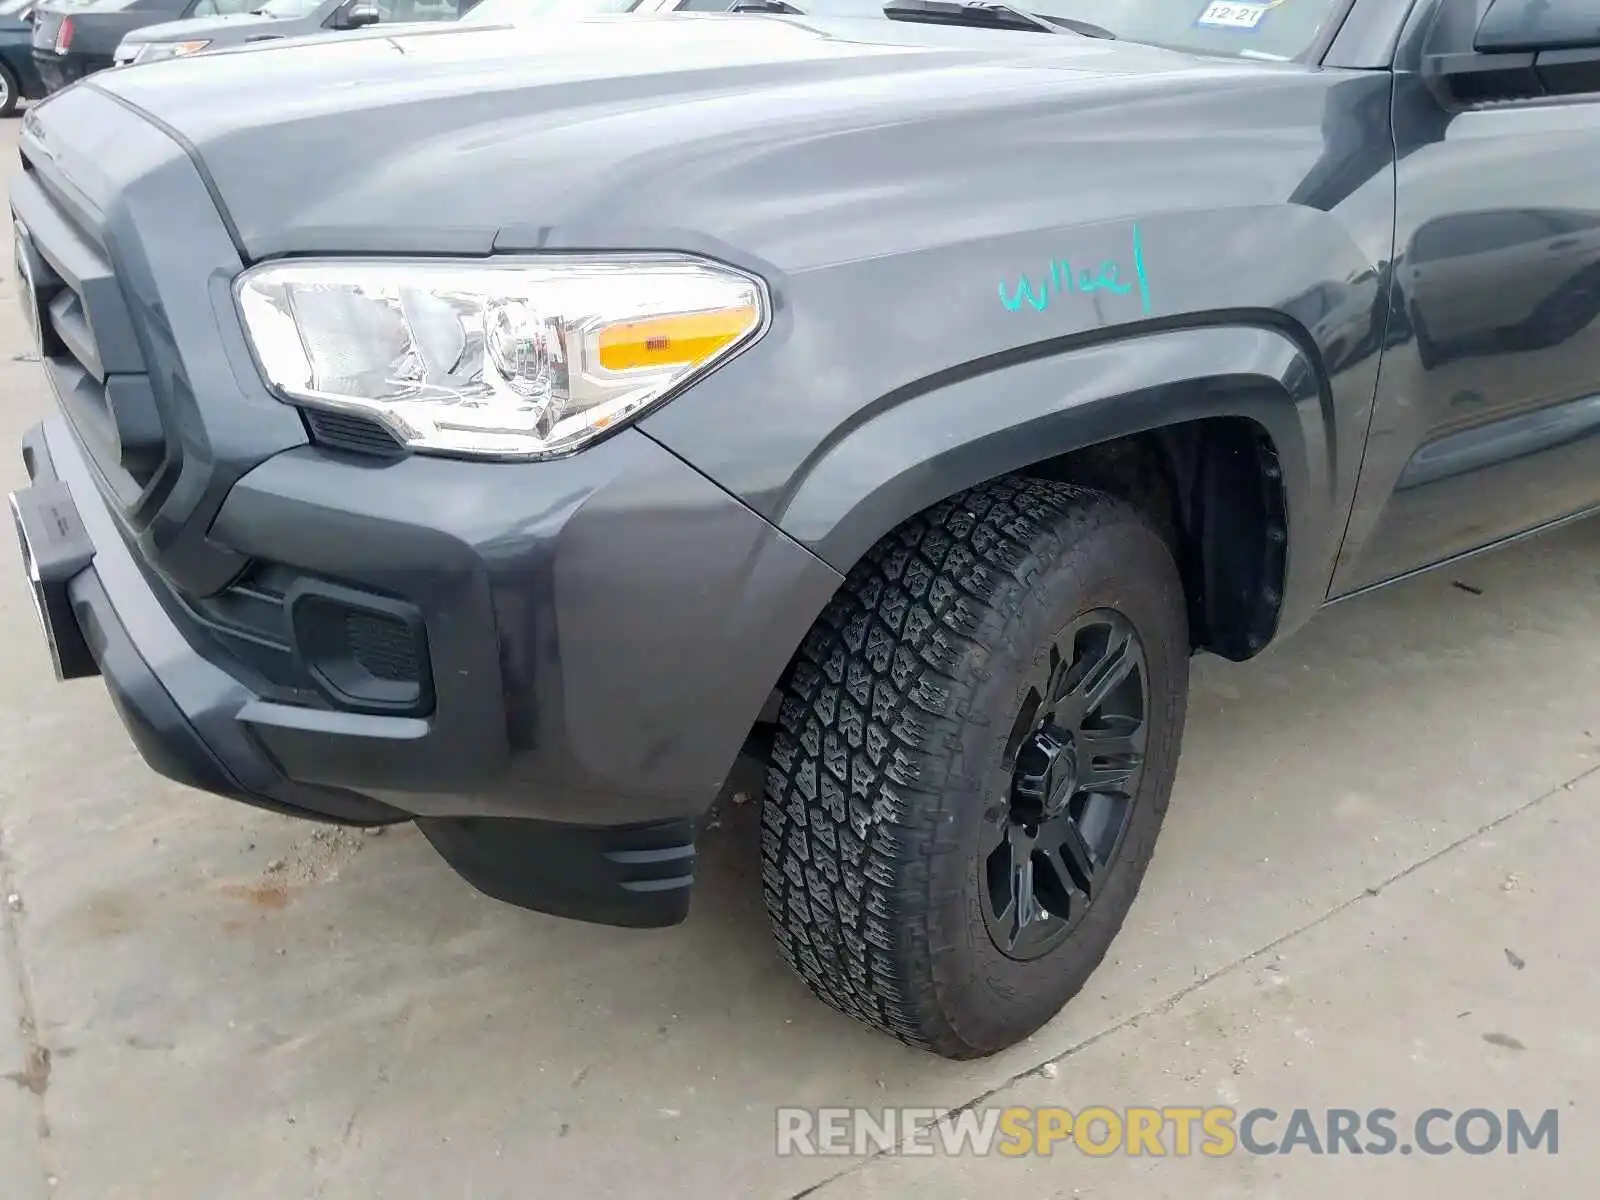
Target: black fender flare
929, 440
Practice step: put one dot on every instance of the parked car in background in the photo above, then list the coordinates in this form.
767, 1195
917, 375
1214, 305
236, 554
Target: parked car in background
278, 19
19, 80
514, 11
74, 38
274, 20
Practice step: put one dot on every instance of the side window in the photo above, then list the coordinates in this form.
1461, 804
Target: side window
206, 8
418, 10
217, 8
1479, 233
704, 6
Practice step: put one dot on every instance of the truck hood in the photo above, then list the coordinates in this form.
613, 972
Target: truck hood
195, 28
462, 138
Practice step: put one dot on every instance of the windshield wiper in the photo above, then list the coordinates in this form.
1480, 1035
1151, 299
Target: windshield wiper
1086, 28
767, 6
989, 14
967, 12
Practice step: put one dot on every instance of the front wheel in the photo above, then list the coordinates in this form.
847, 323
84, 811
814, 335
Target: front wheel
10, 91
975, 750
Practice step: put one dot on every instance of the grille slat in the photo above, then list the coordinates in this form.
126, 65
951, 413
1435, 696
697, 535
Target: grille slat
87, 343
72, 327
357, 435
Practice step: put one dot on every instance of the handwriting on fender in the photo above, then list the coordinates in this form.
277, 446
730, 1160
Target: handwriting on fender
1060, 280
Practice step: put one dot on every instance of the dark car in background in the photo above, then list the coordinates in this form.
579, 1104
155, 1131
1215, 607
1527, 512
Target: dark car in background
74, 38
19, 80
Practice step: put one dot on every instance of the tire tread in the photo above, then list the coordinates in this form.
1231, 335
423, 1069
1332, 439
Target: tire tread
869, 741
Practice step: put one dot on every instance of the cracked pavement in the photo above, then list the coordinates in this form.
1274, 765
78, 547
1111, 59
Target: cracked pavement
1375, 888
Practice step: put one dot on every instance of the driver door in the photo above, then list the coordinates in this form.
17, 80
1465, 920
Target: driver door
1487, 423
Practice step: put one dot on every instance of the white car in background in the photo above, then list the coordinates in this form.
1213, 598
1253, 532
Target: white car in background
234, 23
227, 23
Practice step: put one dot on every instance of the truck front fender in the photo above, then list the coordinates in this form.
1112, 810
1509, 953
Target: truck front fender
948, 432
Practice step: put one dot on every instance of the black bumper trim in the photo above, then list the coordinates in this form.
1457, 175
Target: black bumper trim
601, 632
639, 876
196, 725
181, 712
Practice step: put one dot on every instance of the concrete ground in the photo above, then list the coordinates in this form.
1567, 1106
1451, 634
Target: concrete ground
1376, 889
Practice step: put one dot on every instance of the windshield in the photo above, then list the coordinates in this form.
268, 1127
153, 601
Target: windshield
1271, 29
1276, 29
286, 9
505, 12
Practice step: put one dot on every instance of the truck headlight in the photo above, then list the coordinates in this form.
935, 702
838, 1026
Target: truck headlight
156, 51
511, 360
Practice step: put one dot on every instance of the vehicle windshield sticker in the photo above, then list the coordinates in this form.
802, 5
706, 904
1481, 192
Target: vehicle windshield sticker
1224, 15
1060, 279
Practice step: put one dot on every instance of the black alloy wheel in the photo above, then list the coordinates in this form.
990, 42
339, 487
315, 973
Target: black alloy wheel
1075, 753
975, 749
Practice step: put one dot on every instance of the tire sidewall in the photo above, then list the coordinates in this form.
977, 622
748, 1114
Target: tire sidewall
991, 999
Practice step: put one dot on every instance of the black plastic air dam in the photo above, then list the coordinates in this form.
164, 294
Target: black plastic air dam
639, 876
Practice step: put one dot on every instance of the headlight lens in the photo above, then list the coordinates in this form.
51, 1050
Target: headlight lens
156, 51
496, 360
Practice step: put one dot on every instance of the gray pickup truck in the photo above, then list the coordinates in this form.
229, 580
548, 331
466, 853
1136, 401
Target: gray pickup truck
520, 423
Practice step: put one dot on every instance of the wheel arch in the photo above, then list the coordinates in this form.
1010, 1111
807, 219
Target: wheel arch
1036, 410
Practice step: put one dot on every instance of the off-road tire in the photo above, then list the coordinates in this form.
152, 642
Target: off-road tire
889, 749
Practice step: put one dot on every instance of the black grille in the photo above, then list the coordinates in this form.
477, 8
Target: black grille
385, 646
87, 342
357, 435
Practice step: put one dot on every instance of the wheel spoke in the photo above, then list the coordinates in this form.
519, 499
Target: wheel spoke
1111, 757
1021, 907
1071, 899
1069, 856
1112, 777
1024, 899
1100, 677
1073, 756
1112, 743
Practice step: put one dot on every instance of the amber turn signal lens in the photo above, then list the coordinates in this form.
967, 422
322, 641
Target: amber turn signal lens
669, 341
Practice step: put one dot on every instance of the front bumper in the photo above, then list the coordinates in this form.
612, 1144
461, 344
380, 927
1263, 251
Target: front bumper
550, 666
602, 631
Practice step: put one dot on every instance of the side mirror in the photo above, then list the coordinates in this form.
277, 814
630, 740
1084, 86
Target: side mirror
357, 15
1539, 25
1517, 50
